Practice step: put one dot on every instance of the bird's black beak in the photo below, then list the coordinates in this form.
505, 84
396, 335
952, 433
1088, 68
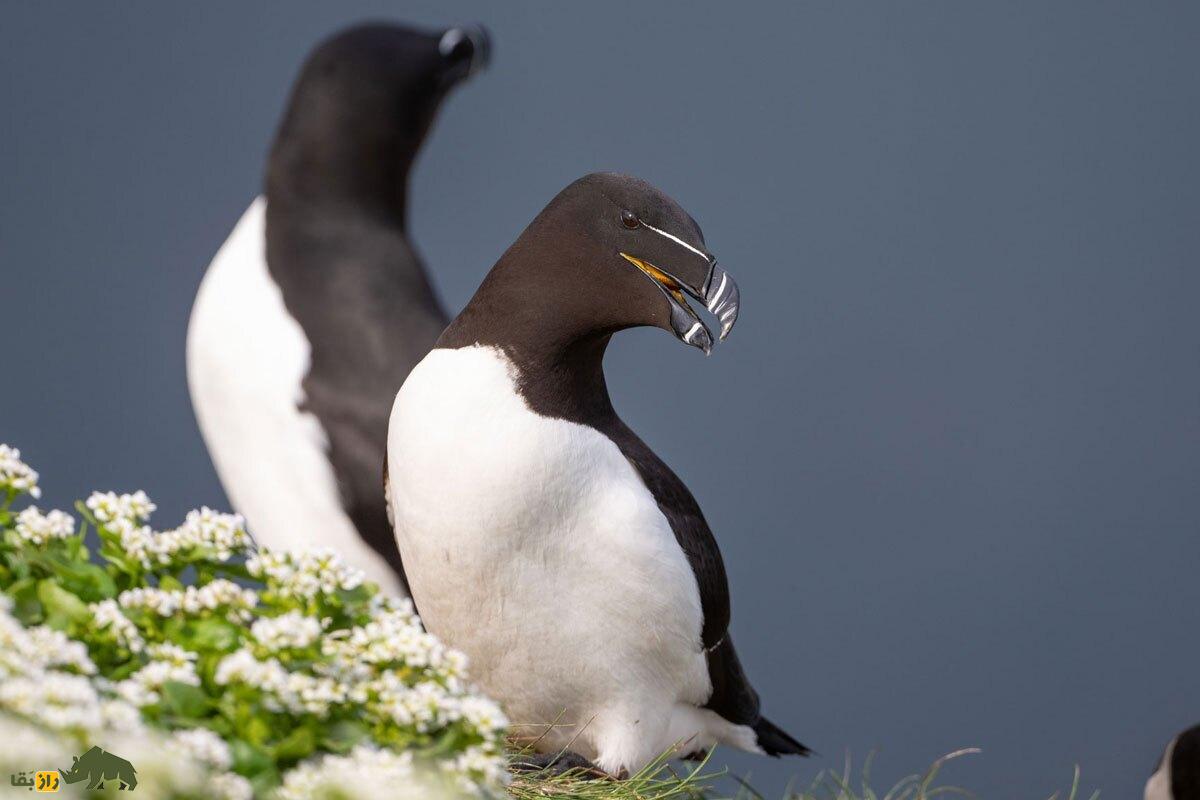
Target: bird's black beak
680, 269
467, 49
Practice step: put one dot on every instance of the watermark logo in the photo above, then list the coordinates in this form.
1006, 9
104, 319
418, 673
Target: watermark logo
99, 768
38, 781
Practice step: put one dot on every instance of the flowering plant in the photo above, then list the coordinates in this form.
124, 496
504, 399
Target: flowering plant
221, 669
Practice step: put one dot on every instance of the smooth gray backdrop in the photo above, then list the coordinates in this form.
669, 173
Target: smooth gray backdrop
956, 476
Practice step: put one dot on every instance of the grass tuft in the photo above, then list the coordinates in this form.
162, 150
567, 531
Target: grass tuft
662, 781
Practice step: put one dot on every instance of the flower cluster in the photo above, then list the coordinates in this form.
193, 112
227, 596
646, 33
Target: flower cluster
37, 528
169, 663
220, 594
205, 535
17, 477
110, 508
290, 631
395, 636
393, 776
48, 714
31, 651
281, 690
109, 620
285, 675
305, 574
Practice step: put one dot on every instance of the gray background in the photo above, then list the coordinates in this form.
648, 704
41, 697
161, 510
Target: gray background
957, 484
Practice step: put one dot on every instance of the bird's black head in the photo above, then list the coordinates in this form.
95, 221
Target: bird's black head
362, 105
613, 252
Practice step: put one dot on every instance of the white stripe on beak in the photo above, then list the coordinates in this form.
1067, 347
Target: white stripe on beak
676, 239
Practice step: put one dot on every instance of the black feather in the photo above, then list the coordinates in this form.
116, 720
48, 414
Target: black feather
777, 742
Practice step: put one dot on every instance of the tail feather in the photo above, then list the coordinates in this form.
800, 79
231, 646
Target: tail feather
776, 742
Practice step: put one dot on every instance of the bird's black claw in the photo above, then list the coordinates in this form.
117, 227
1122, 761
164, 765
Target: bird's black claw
555, 763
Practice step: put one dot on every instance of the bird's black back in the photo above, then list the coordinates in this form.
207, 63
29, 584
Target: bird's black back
1185, 766
337, 243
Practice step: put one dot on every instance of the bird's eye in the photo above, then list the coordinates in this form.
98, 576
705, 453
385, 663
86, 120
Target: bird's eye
629, 219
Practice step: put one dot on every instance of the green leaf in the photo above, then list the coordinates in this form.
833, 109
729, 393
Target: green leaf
257, 729
170, 583
27, 607
123, 671
184, 700
296, 745
213, 634
61, 607
342, 736
248, 759
90, 582
113, 554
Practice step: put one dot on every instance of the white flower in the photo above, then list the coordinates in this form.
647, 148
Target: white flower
204, 533
16, 475
287, 631
395, 637
212, 596
108, 615
26, 744
109, 507
241, 666
54, 699
165, 768
163, 602
230, 786
204, 746
304, 574
225, 534
392, 775
297, 692
172, 654
482, 714
30, 651
37, 528
51, 648
171, 663
219, 593
479, 765
117, 715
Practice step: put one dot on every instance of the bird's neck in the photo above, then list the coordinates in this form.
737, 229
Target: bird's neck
558, 376
364, 173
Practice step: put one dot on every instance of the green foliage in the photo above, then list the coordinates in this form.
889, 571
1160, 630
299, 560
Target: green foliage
282, 658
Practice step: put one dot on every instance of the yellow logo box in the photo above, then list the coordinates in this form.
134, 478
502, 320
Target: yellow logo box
48, 781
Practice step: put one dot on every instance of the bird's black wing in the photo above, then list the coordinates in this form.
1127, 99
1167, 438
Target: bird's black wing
370, 315
732, 697
356, 453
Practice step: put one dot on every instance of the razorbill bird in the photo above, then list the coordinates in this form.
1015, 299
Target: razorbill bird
315, 309
540, 535
1178, 774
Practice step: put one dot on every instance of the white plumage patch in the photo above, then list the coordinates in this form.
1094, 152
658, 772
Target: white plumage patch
1159, 785
246, 358
533, 545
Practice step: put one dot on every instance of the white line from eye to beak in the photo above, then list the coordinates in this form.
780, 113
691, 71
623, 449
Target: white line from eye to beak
677, 240
716, 301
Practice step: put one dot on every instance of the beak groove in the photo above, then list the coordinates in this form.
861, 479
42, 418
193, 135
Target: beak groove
723, 299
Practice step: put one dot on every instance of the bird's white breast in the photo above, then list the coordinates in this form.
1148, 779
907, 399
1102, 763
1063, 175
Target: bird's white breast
1158, 787
246, 358
533, 545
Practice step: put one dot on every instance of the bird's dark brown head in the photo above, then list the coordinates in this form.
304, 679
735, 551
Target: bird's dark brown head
609, 252
362, 105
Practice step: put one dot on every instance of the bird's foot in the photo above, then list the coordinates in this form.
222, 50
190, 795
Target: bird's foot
556, 764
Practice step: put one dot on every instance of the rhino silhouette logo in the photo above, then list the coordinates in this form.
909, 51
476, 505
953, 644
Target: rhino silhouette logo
98, 766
